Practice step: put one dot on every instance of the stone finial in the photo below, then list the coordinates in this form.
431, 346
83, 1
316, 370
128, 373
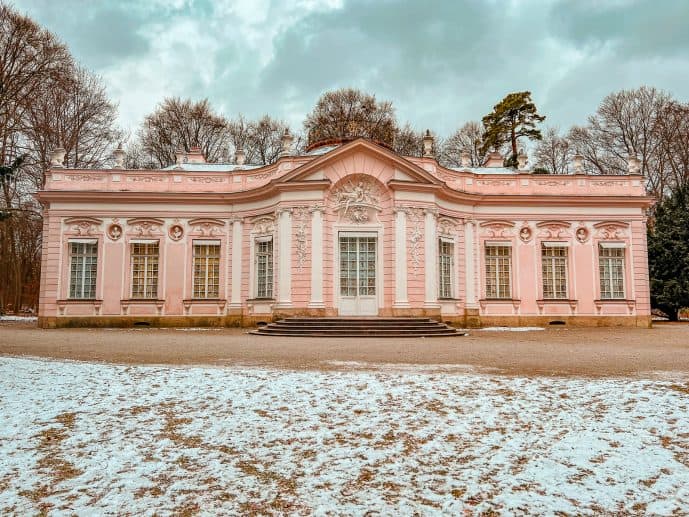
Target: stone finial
465, 159
522, 160
287, 141
57, 157
239, 156
428, 144
494, 159
119, 155
578, 163
181, 156
633, 165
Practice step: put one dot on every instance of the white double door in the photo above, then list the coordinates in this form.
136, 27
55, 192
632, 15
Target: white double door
358, 259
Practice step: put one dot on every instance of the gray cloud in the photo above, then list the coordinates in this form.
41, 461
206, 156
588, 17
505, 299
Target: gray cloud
441, 63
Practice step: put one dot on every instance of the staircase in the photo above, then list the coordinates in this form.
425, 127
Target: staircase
357, 327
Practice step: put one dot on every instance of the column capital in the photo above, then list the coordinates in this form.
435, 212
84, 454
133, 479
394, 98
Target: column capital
317, 208
432, 211
400, 210
284, 209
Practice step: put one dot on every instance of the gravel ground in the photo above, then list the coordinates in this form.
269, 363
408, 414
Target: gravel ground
560, 351
360, 439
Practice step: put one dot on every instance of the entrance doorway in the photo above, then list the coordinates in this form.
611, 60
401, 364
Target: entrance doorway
358, 260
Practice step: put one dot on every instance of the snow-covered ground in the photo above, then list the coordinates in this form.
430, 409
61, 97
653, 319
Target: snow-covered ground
104, 439
25, 319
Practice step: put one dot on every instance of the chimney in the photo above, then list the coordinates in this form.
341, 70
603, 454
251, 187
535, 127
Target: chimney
239, 156
57, 157
119, 156
633, 165
494, 159
578, 163
465, 159
287, 141
522, 160
428, 144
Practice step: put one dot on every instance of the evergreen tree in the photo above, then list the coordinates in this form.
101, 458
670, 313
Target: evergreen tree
512, 118
668, 253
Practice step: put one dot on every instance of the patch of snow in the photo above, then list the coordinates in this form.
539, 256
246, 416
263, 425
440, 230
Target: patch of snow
19, 318
511, 329
80, 438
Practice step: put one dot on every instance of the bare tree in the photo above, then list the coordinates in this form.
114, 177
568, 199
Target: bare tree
673, 132
350, 113
183, 124
468, 138
553, 153
264, 140
625, 124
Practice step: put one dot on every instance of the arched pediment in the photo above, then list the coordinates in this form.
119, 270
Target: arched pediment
145, 226
83, 225
207, 226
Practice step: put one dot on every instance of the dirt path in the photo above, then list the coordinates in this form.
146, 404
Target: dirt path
590, 352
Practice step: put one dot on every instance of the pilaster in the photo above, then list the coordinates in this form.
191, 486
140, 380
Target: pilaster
401, 300
316, 301
236, 286
284, 258
431, 260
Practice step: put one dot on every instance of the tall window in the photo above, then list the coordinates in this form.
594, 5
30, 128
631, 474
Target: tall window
446, 251
554, 262
144, 270
264, 268
498, 271
611, 266
83, 261
206, 269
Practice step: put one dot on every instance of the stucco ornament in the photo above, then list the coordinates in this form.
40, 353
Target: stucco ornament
416, 217
264, 226
525, 234
83, 226
582, 234
176, 232
611, 230
301, 216
357, 199
446, 226
207, 227
115, 232
554, 229
496, 229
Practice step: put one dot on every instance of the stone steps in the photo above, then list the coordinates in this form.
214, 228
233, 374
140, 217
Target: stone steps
357, 327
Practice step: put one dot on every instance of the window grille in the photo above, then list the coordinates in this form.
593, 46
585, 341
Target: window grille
554, 263
264, 269
498, 272
446, 252
611, 266
206, 270
145, 270
82, 270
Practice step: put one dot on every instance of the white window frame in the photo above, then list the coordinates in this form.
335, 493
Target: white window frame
148, 294
607, 292
208, 290
269, 270
446, 283
499, 295
77, 276
553, 260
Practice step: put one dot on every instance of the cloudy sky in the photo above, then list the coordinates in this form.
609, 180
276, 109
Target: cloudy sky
441, 63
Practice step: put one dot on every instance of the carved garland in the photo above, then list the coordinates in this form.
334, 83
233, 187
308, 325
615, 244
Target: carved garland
301, 217
416, 217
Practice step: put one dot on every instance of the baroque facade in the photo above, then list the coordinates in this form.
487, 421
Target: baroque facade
343, 230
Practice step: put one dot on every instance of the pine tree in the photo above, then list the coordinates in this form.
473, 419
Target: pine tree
668, 253
512, 118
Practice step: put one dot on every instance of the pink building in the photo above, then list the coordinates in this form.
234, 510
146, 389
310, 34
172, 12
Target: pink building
350, 229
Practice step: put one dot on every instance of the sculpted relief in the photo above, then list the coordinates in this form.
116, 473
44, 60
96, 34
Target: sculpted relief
357, 199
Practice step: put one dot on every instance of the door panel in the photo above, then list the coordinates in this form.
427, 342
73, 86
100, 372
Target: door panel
358, 260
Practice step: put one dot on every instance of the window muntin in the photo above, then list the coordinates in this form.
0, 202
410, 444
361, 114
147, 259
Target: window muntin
554, 264
83, 260
206, 270
358, 266
611, 268
446, 251
144, 270
264, 268
498, 272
